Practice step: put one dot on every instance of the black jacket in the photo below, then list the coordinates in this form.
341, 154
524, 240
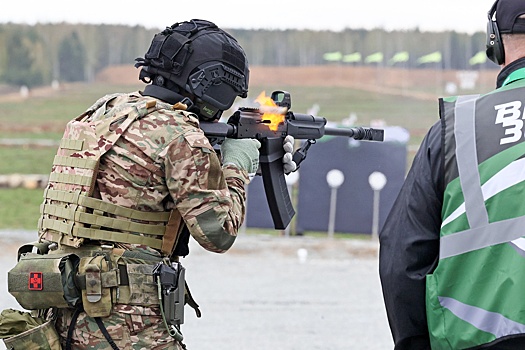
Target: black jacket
409, 243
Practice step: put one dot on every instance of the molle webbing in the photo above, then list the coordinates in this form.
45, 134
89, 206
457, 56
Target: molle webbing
76, 145
59, 229
75, 162
97, 204
70, 214
99, 226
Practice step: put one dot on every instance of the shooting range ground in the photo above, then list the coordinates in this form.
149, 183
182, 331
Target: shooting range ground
263, 295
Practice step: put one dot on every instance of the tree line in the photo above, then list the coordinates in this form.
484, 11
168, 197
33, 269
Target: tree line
39, 54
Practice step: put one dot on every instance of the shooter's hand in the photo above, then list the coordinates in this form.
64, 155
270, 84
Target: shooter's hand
243, 153
288, 163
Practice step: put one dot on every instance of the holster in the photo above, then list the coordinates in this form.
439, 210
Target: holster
171, 280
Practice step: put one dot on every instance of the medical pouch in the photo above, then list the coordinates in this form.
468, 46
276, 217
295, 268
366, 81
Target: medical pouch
44, 281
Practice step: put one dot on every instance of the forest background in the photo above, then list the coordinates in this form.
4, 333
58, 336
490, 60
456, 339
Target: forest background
33, 55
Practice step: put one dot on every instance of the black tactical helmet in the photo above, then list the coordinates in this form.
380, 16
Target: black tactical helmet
197, 57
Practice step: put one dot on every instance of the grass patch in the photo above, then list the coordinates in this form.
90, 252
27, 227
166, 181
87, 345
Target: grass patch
45, 118
41, 114
26, 160
20, 208
34, 135
337, 103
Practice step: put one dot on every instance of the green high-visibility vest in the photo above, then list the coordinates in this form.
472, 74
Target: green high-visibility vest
476, 295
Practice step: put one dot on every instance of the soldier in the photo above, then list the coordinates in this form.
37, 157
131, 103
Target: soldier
133, 179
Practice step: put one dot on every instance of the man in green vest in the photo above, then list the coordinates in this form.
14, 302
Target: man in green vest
452, 252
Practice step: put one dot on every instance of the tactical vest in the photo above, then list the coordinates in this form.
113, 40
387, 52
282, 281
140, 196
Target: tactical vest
476, 294
70, 213
85, 271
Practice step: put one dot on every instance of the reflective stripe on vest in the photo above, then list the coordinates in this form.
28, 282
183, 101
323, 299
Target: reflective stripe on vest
490, 322
466, 154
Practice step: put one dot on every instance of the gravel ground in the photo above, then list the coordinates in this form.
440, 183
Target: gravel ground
263, 294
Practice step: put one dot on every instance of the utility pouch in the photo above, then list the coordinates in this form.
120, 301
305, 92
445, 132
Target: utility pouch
43, 337
143, 290
44, 281
96, 298
20, 330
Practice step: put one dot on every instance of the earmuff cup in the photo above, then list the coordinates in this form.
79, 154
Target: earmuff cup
494, 47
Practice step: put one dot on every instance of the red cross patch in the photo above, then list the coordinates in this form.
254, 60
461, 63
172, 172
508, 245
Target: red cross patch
35, 281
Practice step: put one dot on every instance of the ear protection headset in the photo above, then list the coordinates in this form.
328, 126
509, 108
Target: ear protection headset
495, 51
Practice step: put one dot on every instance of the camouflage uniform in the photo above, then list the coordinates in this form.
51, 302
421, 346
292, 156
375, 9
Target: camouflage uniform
130, 327
161, 162
165, 161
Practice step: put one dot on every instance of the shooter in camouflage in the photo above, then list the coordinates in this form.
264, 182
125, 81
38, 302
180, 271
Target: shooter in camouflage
135, 177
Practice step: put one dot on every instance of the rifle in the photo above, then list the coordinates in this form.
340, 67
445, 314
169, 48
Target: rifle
270, 125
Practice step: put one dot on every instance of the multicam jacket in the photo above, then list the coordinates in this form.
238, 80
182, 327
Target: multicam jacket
163, 161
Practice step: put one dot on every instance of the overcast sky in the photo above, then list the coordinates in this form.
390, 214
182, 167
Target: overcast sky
428, 15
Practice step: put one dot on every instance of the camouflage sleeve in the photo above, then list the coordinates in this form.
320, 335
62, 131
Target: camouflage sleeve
211, 199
